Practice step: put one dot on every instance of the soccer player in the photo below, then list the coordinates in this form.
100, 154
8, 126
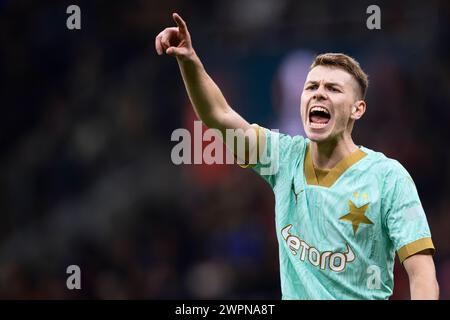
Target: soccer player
342, 210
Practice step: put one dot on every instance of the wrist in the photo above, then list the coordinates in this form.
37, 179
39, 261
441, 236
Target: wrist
189, 59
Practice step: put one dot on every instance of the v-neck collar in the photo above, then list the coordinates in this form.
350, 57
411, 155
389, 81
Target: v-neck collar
334, 173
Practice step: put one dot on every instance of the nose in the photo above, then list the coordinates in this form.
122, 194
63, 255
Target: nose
320, 93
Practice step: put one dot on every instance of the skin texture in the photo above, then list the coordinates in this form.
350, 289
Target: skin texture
422, 277
338, 91
330, 87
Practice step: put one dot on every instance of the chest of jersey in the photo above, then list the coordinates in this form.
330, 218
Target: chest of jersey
330, 227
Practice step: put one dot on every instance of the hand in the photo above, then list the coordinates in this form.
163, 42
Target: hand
175, 41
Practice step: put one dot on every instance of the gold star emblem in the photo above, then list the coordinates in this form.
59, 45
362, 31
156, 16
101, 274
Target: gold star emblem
356, 215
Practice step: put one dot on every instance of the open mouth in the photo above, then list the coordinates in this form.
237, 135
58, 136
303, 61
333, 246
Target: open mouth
319, 116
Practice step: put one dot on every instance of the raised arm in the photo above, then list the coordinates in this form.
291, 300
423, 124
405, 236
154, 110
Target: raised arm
208, 101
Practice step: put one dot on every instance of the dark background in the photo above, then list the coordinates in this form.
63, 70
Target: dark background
86, 176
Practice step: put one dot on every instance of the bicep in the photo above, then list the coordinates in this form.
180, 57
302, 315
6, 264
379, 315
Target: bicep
232, 120
405, 219
421, 263
239, 131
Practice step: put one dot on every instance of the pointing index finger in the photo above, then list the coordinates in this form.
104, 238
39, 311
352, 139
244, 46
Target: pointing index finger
180, 22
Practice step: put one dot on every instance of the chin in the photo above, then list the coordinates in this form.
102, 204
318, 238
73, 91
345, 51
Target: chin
315, 137
318, 135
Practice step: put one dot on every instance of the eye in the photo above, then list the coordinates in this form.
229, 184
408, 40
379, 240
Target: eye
311, 87
334, 89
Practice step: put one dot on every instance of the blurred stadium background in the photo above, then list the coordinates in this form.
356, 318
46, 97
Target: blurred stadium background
85, 171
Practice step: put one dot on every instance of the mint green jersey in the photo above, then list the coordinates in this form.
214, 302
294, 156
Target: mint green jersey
338, 238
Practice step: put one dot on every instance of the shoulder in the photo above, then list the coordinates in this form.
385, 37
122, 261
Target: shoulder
391, 175
287, 146
384, 166
284, 138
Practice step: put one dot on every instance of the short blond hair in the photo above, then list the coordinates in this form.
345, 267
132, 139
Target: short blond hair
347, 63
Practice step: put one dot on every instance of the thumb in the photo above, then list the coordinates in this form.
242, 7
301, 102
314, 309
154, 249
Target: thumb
174, 51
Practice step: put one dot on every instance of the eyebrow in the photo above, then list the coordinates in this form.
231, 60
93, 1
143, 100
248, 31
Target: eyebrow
326, 83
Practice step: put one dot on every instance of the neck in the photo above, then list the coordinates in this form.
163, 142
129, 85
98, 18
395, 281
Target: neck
327, 154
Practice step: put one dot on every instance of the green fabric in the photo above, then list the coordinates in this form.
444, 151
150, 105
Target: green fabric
321, 256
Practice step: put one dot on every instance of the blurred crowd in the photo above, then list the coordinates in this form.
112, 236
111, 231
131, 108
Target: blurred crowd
86, 176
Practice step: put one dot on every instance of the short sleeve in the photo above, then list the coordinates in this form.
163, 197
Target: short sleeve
275, 151
405, 220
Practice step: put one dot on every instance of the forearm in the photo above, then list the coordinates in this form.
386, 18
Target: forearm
424, 287
207, 99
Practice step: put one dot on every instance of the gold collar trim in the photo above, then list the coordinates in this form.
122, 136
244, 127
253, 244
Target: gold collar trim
334, 173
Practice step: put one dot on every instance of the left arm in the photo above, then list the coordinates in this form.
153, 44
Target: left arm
422, 277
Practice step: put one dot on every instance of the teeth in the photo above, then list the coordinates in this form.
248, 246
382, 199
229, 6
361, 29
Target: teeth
318, 108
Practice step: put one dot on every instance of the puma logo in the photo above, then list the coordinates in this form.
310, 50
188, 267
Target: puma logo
296, 194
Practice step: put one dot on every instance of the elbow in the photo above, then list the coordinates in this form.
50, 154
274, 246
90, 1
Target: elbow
434, 290
424, 288
436, 286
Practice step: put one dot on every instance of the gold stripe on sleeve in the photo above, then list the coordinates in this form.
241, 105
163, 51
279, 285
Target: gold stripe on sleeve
415, 247
251, 165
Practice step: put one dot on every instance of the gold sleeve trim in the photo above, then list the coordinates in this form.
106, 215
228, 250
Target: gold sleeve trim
258, 129
415, 247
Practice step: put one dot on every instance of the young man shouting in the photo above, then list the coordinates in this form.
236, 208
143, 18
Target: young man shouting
342, 210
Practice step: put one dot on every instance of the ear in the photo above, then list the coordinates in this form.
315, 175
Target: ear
358, 109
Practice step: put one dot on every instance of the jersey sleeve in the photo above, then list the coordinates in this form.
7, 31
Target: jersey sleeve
274, 153
405, 219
